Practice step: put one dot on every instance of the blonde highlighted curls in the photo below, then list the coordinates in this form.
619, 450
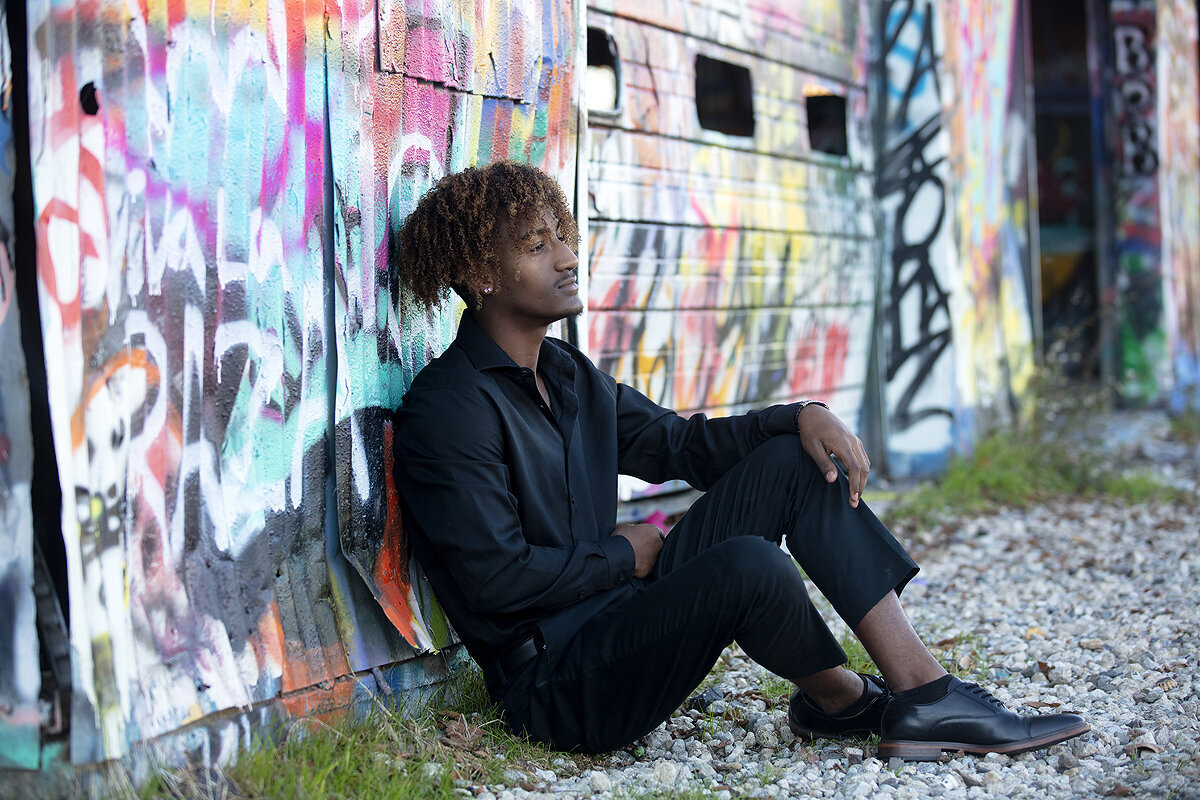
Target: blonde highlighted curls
452, 240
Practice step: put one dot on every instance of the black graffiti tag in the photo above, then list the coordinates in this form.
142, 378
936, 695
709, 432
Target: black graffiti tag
908, 171
1136, 100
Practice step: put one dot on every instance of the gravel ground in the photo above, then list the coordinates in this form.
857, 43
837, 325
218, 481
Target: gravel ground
1086, 606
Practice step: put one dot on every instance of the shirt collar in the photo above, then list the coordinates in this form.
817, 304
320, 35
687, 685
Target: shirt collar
485, 354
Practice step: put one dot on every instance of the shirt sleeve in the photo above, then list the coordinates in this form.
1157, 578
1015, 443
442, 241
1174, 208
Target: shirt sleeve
657, 444
450, 468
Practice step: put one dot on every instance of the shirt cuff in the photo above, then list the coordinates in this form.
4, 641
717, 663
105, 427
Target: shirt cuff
621, 559
780, 419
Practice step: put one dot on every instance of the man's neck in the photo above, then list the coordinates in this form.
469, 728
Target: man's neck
521, 343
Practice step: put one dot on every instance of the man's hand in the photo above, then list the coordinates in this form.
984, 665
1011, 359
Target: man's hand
647, 541
823, 434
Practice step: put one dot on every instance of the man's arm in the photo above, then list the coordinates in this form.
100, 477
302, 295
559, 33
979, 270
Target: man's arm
656, 444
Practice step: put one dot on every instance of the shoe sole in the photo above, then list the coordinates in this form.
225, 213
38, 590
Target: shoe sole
932, 751
857, 733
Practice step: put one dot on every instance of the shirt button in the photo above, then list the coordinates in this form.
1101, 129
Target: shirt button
621, 577
580, 595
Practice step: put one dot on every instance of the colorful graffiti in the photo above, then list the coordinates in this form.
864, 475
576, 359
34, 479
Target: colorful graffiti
1144, 369
913, 186
729, 272
214, 191
1179, 123
989, 130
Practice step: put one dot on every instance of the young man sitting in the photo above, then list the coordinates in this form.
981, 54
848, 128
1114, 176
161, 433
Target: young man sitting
589, 633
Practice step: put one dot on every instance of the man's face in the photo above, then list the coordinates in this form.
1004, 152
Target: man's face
537, 274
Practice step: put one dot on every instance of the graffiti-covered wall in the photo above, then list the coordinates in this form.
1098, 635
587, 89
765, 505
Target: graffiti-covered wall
953, 176
213, 187
731, 230
1179, 195
1144, 371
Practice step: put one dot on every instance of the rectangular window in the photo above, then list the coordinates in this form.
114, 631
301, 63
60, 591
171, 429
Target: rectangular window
724, 97
603, 87
827, 123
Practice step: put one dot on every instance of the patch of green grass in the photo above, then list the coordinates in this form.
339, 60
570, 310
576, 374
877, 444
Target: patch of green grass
778, 690
1057, 451
459, 740
856, 655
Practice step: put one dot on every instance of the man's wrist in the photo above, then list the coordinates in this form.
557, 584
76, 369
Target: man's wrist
800, 406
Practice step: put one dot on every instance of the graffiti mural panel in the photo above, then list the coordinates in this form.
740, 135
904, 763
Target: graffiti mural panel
989, 127
1143, 368
915, 188
731, 259
1179, 122
214, 187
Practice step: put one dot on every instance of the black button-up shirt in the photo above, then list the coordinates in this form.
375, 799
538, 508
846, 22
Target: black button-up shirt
510, 505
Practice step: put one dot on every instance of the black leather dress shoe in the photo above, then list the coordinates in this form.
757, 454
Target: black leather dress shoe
805, 718
971, 720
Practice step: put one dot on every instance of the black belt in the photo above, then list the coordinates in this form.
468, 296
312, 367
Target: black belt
504, 668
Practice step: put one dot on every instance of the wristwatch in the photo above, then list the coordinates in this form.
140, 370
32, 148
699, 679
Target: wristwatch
800, 407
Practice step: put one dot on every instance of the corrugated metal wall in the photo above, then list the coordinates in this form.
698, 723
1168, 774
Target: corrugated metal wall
732, 271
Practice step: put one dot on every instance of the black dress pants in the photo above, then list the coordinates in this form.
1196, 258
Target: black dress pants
721, 576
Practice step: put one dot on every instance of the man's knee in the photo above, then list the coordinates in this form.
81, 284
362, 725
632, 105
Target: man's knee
758, 563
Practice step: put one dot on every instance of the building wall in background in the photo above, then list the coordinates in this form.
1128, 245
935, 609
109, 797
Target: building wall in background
214, 186
989, 120
1144, 369
732, 271
1179, 196
920, 272
954, 195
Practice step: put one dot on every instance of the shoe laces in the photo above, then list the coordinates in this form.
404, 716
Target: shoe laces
976, 690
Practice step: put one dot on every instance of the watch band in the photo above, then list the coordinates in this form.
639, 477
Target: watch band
800, 407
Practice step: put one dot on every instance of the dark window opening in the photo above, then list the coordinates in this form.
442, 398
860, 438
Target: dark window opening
603, 86
724, 100
827, 124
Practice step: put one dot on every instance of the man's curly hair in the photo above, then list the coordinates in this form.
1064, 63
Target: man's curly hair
452, 239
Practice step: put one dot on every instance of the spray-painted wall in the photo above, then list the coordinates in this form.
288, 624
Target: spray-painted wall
730, 270
1136, 175
1179, 195
213, 189
954, 196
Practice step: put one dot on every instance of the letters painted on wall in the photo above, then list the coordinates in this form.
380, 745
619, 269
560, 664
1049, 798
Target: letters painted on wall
731, 270
214, 188
1144, 369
